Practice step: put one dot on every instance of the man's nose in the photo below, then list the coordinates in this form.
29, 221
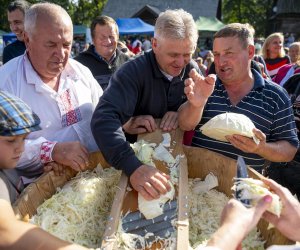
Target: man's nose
180, 61
60, 51
222, 60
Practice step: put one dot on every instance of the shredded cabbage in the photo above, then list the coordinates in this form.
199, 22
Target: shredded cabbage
205, 213
209, 183
166, 140
78, 212
162, 154
144, 151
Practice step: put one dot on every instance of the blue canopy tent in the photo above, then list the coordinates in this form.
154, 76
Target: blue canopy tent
130, 26
9, 38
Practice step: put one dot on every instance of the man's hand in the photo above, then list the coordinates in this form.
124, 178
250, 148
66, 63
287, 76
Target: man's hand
199, 88
71, 154
150, 182
236, 222
58, 169
169, 121
289, 220
247, 144
140, 124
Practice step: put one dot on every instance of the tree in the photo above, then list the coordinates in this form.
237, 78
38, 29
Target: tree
81, 11
86, 11
254, 12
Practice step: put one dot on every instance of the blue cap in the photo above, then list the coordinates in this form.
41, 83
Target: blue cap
16, 117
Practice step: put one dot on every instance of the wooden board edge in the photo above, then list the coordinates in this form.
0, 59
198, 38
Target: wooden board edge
183, 208
113, 219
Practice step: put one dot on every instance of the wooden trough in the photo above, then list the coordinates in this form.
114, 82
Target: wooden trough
198, 163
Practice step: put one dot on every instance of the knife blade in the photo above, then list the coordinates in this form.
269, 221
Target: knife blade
241, 173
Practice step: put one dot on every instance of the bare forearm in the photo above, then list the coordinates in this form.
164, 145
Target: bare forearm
281, 151
189, 116
20, 235
226, 237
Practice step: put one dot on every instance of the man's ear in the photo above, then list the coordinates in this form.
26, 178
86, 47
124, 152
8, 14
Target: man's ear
251, 51
154, 43
26, 40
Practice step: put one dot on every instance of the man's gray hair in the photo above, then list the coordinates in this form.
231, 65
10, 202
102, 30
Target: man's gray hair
43, 10
176, 24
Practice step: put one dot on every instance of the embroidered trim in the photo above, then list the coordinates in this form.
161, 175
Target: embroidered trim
46, 151
68, 105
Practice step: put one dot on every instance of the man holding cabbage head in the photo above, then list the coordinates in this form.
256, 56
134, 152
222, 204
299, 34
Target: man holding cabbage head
240, 89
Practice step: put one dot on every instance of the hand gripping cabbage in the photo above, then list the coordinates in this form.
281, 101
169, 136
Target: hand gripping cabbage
228, 124
153, 208
254, 190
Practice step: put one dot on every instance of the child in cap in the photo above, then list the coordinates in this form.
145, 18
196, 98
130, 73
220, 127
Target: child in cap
16, 121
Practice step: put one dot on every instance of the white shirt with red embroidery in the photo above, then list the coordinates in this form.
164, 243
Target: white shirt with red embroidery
65, 115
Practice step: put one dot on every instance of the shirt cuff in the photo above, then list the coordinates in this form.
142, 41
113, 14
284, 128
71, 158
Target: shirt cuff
46, 151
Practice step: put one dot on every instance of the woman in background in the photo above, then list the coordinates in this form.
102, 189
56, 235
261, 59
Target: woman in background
288, 70
273, 53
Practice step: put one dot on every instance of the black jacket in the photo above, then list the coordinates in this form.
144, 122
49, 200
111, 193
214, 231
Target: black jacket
13, 50
100, 69
137, 88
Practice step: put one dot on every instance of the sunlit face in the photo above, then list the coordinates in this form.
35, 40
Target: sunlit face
172, 55
231, 59
16, 23
105, 40
294, 53
11, 148
49, 47
275, 46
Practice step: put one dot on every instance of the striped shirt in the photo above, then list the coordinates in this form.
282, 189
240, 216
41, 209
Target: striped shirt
267, 105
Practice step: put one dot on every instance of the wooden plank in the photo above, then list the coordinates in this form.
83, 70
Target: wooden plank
183, 208
113, 219
131, 197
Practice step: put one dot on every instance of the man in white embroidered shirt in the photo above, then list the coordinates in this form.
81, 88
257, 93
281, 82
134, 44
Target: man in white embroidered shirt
60, 90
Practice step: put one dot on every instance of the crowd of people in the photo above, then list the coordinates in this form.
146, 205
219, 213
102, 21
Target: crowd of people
55, 110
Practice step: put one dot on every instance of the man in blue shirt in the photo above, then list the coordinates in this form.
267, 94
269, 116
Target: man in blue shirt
15, 14
240, 89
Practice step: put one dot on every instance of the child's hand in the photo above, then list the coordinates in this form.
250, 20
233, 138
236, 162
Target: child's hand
57, 168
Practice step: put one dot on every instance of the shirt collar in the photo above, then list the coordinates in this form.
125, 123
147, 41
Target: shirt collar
259, 81
32, 76
102, 58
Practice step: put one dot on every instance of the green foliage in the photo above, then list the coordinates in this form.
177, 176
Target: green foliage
86, 11
254, 12
81, 11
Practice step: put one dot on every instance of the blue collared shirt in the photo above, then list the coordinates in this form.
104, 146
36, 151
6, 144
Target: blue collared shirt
267, 105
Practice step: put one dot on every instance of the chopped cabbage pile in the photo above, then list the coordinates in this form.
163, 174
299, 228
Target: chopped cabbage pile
254, 190
205, 212
146, 151
127, 241
78, 212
